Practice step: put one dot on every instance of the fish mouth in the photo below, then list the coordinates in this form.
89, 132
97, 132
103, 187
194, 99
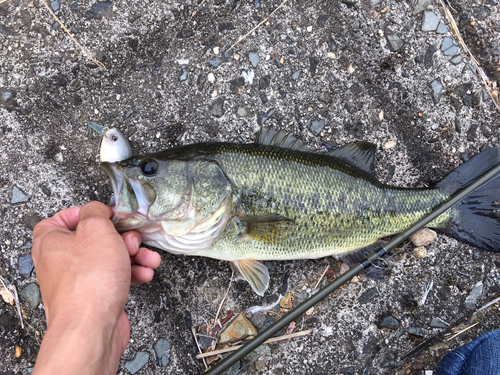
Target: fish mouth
132, 198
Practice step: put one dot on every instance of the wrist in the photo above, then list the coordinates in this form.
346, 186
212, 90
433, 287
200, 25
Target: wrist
78, 346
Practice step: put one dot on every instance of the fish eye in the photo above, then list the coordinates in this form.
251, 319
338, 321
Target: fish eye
114, 137
149, 168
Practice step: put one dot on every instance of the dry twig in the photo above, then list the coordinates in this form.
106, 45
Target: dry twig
462, 331
256, 27
321, 277
71, 36
236, 347
198, 345
222, 302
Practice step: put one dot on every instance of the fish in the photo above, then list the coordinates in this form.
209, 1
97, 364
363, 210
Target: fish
277, 200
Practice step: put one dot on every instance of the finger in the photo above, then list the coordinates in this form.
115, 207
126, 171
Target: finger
95, 209
66, 219
132, 240
147, 258
141, 275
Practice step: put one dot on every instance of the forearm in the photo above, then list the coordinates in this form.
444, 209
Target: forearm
78, 348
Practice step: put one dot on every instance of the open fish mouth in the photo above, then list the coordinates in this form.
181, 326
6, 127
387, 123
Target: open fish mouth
130, 196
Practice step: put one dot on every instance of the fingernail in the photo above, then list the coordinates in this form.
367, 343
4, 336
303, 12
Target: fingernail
136, 241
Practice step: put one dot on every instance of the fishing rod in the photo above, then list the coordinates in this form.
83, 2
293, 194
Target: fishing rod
269, 332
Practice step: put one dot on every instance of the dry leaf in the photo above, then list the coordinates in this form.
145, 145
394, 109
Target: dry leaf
7, 296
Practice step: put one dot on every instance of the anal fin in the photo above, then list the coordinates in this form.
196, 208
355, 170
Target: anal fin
254, 272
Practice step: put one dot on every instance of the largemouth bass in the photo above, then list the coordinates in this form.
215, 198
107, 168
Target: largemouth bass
275, 200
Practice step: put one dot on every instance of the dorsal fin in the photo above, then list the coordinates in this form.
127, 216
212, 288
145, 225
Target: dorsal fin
270, 137
360, 154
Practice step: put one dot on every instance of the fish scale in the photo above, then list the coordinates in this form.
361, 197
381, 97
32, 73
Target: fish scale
336, 207
274, 200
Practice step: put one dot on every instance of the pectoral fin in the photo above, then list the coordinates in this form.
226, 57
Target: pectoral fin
267, 228
254, 272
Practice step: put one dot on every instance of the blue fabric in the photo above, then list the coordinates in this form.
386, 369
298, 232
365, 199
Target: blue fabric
479, 357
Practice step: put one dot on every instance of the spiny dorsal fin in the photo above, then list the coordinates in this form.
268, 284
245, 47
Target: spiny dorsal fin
360, 154
254, 272
270, 137
267, 228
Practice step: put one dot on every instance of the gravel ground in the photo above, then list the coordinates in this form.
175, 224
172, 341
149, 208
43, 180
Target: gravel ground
331, 72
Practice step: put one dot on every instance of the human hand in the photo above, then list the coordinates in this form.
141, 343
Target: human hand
85, 269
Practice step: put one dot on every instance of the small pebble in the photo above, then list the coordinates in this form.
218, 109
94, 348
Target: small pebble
470, 301
331, 55
19, 351
438, 323
316, 127
310, 311
420, 252
31, 293
389, 144
437, 90
296, 75
309, 29
18, 196
211, 77
384, 10
442, 28
430, 21
350, 69
214, 94
162, 349
216, 50
423, 237
137, 363
395, 42
254, 58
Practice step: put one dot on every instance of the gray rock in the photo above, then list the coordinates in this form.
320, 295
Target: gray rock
128, 114
367, 296
450, 46
438, 323
296, 75
258, 319
18, 196
416, 331
442, 28
430, 21
55, 5
215, 62
141, 358
395, 43
470, 301
456, 60
317, 126
205, 342
389, 322
25, 265
7, 94
447, 43
266, 324
254, 58
452, 51
302, 295
420, 6
261, 350
183, 76
216, 109
162, 349
32, 294
264, 116
437, 90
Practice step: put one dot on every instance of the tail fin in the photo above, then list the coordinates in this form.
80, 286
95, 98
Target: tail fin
476, 219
